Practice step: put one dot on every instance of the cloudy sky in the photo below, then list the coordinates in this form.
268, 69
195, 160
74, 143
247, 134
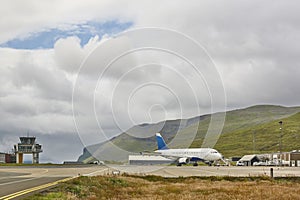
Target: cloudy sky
71, 76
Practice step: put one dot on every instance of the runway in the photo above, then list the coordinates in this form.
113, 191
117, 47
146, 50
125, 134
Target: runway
16, 179
21, 178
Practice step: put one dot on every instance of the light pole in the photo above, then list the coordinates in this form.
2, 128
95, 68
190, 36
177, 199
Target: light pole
280, 141
253, 140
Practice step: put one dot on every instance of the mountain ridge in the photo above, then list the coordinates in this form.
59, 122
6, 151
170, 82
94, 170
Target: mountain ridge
237, 123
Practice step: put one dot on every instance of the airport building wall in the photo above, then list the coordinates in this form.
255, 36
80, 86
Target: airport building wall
7, 158
295, 159
148, 160
291, 159
10, 158
2, 157
287, 158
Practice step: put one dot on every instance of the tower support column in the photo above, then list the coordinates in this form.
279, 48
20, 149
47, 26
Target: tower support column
19, 157
35, 158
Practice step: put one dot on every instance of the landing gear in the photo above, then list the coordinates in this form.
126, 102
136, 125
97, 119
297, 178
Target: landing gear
195, 164
178, 164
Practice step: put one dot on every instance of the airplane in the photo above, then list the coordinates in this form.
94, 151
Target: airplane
185, 156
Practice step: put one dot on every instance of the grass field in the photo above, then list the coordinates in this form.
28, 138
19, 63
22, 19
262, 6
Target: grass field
154, 187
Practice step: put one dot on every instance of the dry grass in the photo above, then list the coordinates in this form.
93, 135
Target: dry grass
152, 187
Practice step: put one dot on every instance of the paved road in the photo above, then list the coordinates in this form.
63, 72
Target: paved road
16, 179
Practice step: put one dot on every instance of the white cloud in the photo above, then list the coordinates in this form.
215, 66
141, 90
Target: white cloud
69, 53
35, 95
254, 44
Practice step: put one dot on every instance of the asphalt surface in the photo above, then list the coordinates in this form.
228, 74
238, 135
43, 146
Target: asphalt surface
15, 179
184, 171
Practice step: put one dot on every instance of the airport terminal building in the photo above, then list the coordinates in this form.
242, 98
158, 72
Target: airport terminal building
288, 158
291, 159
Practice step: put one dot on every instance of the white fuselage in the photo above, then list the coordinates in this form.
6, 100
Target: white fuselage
207, 154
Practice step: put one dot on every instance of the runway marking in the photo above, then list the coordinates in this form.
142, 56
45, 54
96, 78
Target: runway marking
20, 193
90, 174
29, 190
28, 179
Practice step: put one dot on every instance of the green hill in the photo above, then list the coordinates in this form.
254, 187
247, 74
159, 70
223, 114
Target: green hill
241, 126
118, 148
258, 123
266, 138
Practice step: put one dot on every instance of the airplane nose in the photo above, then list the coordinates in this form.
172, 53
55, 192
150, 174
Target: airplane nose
220, 156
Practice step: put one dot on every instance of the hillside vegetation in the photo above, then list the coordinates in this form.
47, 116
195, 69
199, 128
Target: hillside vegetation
241, 128
256, 130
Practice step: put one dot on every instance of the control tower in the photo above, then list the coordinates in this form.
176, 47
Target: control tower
28, 146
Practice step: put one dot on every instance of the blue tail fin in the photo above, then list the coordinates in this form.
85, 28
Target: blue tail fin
160, 142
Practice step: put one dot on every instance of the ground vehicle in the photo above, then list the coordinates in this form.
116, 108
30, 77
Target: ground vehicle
260, 164
239, 163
